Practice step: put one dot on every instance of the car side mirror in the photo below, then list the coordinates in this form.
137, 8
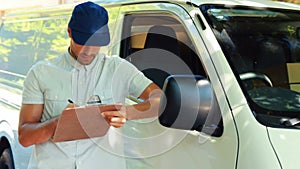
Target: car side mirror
189, 103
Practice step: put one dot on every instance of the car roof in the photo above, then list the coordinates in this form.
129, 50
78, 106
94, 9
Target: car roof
257, 3
254, 3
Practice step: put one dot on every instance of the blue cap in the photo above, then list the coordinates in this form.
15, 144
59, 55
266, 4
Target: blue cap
88, 25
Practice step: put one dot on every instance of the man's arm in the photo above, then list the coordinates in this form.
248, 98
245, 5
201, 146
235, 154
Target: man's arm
31, 130
149, 108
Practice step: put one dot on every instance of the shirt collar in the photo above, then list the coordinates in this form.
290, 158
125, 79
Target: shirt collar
79, 66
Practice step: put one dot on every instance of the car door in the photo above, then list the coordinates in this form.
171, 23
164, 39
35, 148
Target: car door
148, 144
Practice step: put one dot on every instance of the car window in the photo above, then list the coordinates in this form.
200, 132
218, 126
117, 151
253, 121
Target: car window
262, 46
18, 44
53, 39
159, 45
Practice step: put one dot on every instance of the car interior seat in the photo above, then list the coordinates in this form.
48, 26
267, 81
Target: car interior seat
271, 59
161, 37
157, 58
163, 55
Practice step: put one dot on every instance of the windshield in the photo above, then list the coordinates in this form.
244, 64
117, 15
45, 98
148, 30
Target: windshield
263, 48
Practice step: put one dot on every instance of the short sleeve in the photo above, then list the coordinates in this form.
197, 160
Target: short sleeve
138, 84
32, 93
122, 79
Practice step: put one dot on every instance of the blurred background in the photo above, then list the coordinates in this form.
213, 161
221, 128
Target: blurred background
7, 6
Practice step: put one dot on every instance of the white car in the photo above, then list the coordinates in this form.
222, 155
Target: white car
229, 70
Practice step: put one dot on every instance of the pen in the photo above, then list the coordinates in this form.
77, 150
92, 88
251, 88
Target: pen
70, 101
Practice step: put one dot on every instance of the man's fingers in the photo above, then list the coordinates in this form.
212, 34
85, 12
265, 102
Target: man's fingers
117, 120
114, 118
70, 106
112, 114
116, 125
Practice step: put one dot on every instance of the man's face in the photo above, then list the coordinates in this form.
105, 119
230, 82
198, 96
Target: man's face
83, 54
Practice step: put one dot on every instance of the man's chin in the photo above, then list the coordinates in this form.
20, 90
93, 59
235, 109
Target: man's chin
85, 62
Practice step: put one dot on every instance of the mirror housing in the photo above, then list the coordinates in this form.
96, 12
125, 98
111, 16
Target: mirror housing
189, 103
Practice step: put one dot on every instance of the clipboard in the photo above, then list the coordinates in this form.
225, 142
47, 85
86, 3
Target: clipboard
82, 122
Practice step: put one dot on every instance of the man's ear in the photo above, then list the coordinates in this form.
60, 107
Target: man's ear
69, 32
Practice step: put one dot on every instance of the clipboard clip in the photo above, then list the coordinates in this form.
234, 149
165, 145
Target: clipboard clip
94, 100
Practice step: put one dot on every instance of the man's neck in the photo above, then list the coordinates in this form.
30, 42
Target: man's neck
72, 53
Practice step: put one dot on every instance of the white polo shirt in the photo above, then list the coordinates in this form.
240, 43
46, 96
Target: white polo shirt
53, 82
